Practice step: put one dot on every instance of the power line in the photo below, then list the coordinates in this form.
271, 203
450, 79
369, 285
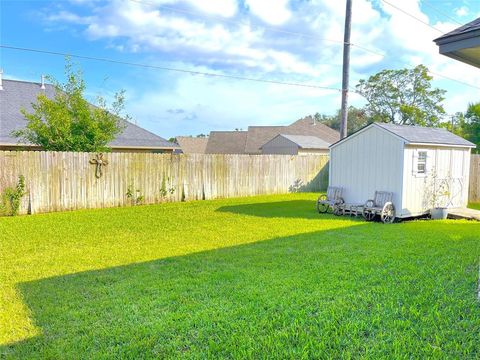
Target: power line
412, 16
196, 72
193, 72
282, 31
456, 80
383, 55
428, 4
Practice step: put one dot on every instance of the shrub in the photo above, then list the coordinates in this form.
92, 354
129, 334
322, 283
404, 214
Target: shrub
11, 198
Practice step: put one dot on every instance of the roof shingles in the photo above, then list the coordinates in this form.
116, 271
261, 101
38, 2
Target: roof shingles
192, 145
21, 94
226, 142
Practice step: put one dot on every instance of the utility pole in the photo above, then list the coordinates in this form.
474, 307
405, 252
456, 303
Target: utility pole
346, 69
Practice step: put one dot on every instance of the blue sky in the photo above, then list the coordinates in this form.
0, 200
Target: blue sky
281, 40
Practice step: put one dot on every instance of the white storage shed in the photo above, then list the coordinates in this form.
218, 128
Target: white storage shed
295, 145
412, 162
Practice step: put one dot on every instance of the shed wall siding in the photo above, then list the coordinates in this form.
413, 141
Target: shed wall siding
369, 161
448, 163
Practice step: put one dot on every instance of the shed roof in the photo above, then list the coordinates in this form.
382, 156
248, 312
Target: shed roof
425, 135
416, 135
192, 145
305, 141
21, 94
226, 142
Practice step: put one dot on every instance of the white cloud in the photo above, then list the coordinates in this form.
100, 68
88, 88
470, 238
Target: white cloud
244, 46
462, 11
237, 104
274, 12
226, 8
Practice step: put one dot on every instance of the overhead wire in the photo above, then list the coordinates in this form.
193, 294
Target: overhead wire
429, 5
187, 71
237, 77
267, 28
411, 15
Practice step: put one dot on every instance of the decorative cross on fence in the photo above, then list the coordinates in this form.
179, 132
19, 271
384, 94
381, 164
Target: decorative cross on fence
99, 162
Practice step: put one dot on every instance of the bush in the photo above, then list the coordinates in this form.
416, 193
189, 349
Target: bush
11, 198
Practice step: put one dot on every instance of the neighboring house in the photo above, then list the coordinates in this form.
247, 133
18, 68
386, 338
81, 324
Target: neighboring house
251, 141
462, 44
226, 142
410, 161
16, 95
295, 145
192, 145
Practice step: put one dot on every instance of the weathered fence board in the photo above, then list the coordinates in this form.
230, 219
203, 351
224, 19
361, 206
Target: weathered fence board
58, 181
474, 188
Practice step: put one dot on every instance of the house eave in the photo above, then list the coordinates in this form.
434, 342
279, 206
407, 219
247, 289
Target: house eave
462, 47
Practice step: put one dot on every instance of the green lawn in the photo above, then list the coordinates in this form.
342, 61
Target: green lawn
262, 277
474, 206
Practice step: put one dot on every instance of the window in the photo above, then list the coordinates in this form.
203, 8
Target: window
422, 162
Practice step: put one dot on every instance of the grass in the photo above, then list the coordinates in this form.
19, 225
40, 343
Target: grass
255, 277
474, 206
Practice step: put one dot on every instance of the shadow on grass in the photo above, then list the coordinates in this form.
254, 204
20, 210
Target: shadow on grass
358, 290
302, 209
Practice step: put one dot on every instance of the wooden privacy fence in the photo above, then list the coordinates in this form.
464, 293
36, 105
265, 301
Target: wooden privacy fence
57, 181
474, 188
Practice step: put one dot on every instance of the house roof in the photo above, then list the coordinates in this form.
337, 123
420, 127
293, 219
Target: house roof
259, 135
464, 29
226, 142
417, 135
192, 145
462, 44
304, 141
21, 94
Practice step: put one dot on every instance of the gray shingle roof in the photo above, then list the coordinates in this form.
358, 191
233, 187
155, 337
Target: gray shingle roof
307, 142
192, 145
462, 30
226, 142
259, 135
420, 135
21, 94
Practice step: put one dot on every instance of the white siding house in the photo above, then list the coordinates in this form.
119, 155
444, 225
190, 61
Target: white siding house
295, 145
409, 161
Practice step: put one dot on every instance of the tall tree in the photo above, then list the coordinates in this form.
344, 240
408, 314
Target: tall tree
357, 118
68, 122
468, 124
403, 97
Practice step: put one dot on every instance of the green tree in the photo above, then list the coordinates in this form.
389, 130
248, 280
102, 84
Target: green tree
68, 122
357, 118
468, 124
403, 97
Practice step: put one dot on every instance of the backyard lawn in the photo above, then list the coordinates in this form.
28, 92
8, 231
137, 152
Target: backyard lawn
244, 278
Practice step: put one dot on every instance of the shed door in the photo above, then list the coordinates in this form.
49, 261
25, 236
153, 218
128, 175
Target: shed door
458, 186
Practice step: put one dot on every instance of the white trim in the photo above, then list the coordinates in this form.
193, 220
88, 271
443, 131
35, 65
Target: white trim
440, 145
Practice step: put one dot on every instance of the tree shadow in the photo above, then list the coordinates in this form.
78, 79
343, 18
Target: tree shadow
318, 183
300, 209
357, 290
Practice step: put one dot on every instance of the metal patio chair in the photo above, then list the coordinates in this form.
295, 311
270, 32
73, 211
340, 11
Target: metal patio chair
329, 202
380, 205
